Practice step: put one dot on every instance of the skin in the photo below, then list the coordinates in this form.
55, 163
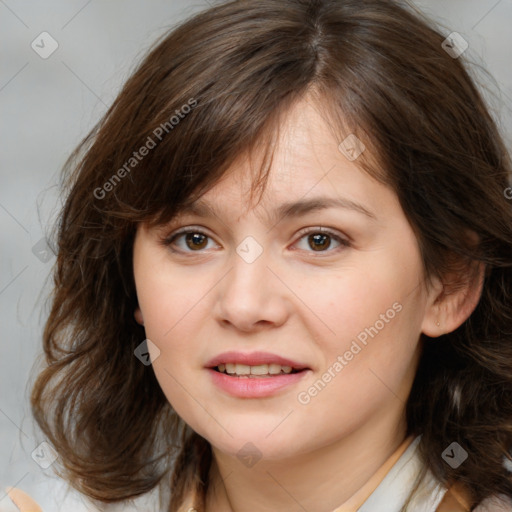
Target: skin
301, 303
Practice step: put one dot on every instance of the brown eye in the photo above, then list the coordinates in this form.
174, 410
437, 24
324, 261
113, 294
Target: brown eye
319, 241
196, 240
187, 240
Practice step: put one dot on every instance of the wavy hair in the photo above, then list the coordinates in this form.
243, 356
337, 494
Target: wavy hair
215, 87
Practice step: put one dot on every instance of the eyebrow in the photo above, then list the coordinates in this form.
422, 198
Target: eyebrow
292, 208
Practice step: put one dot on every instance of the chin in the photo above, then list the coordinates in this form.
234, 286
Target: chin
256, 443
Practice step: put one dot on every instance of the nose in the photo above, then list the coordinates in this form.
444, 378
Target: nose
251, 297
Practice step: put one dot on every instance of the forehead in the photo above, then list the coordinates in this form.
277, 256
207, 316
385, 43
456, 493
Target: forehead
306, 150
309, 172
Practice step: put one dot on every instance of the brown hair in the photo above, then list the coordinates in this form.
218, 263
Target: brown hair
214, 88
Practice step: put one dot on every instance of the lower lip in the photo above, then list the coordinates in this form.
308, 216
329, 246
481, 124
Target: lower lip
254, 387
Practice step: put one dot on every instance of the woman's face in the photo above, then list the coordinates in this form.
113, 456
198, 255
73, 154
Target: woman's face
333, 288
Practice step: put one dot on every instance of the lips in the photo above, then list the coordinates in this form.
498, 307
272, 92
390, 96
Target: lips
253, 375
254, 359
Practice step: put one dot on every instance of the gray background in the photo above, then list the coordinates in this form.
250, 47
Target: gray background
48, 105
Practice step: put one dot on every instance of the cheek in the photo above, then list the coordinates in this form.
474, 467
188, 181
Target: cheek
170, 303
368, 366
174, 306
170, 323
349, 305
374, 315
168, 300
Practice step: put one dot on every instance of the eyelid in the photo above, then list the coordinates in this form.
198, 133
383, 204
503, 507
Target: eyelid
342, 239
168, 239
186, 229
328, 231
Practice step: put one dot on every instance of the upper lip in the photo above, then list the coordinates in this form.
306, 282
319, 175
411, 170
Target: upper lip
253, 359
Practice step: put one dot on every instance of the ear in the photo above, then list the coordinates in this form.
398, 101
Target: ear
452, 300
138, 316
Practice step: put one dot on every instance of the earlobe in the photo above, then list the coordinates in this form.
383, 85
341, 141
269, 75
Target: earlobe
452, 304
138, 316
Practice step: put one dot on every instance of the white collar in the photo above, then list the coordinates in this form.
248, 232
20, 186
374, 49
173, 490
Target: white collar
394, 489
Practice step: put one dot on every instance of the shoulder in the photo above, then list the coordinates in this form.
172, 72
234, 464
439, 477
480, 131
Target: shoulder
457, 499
499, 503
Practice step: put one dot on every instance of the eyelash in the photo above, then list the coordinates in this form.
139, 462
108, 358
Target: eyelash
344, 243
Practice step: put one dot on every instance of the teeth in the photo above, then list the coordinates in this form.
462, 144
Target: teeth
242, 369
261, 369
274, 369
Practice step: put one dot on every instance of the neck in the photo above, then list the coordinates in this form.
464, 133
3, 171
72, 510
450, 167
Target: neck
321, 480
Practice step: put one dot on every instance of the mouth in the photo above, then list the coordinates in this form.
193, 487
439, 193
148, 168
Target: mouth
255, 375
255, 366
245, 371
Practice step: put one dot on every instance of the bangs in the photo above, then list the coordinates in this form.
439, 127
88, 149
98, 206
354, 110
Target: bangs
258, 147
178, 125
182, 166
173, 191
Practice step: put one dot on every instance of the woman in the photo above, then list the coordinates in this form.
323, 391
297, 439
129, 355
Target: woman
340, 342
